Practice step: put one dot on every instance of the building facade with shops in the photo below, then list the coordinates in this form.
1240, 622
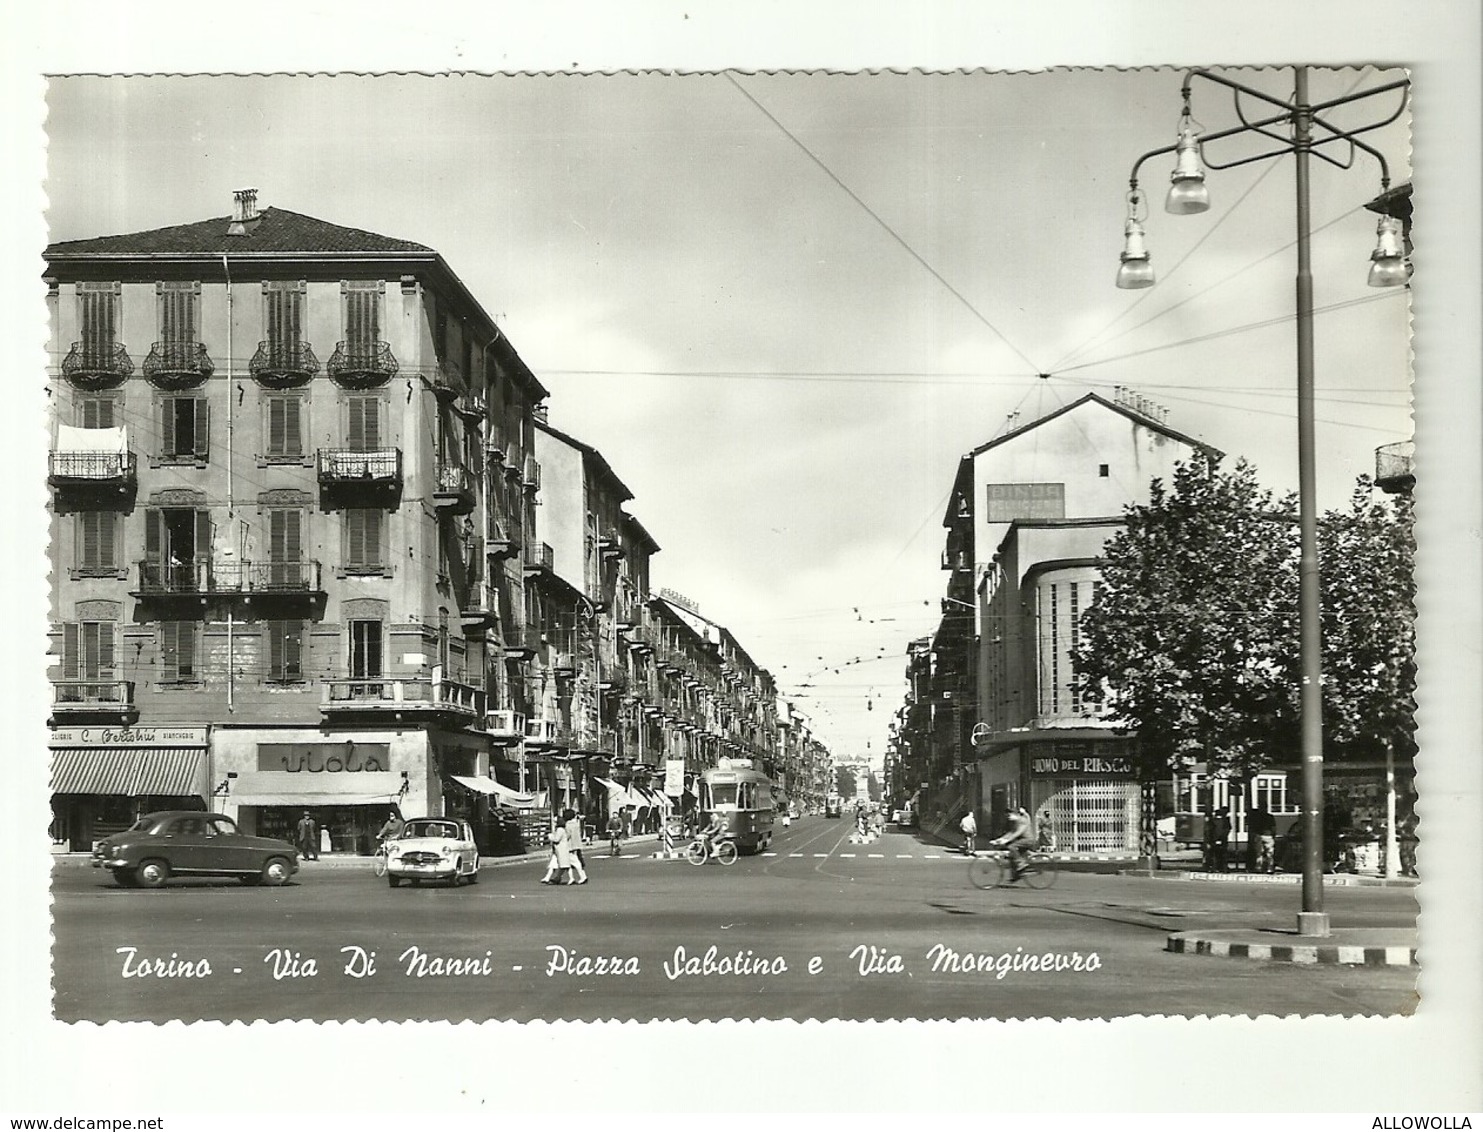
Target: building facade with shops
289, 461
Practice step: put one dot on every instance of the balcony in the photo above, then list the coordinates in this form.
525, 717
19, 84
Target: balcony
563, 664
203, 577
454, 492
362, 363
546, 733
471, 408
522, 644
283, 363
637, 639
539, 557
505, 726
1393, 470
402, 696
955, 560
608, 546
347, 469
93, 471
501, 545
112, 698
176, 364
447, 380
482, 610
97, 363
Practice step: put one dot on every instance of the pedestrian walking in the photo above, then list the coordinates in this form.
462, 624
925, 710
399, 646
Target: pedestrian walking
559, 866
308, 837
969, 827
1261, 830
573, 826
1220, 840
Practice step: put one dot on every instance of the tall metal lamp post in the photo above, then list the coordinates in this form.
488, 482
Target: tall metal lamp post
1300, 128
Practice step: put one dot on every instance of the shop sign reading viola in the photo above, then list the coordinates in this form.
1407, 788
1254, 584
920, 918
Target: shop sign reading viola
323, 758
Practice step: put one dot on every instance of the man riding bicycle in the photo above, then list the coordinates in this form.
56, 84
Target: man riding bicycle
1019, 839
714, 831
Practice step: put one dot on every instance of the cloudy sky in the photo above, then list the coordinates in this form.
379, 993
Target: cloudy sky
783, 305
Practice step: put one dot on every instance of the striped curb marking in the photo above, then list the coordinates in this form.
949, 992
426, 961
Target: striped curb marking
1295, 953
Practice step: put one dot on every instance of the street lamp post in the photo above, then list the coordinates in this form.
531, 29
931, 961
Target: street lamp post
1187, 194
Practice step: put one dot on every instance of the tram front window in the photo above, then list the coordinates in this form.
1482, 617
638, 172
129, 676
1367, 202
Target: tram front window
723, 794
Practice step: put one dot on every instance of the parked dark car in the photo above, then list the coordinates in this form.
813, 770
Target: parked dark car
192, 843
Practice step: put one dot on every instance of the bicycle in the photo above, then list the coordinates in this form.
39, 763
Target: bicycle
379, 858
993, 870
724, 851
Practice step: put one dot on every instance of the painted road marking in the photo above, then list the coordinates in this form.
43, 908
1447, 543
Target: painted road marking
847, 854
821, 854
875, 854
795, 854
769, 854
903, 856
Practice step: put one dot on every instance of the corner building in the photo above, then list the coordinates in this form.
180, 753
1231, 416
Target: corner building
289, 461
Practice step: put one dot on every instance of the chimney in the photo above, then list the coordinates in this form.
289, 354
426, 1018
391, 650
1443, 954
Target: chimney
244, 212
540, 412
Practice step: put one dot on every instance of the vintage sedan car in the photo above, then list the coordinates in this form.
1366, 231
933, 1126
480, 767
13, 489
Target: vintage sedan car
433, 849
192, 843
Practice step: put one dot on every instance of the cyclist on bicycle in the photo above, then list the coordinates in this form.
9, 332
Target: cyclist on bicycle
714, 831
391, 830
1019, 839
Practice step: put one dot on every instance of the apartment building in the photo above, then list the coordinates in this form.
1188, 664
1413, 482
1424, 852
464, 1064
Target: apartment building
290, 462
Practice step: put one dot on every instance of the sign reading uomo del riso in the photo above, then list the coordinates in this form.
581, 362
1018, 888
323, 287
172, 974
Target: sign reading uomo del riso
1080, 766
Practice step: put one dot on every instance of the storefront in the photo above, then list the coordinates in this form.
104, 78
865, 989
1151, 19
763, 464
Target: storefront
103, 778
347, 782
1080, 786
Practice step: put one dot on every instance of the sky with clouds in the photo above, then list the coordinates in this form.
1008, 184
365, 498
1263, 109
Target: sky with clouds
784, 305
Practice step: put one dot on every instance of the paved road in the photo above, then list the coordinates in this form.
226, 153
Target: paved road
818, 928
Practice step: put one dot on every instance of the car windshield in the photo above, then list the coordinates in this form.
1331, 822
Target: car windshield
430, 829
149, 821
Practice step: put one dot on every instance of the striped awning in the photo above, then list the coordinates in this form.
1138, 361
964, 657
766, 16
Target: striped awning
129, 771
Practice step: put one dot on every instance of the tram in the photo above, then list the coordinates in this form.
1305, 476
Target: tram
833, 805
743, 796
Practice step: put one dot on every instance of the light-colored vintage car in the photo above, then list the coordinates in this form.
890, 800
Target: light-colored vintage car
433, 849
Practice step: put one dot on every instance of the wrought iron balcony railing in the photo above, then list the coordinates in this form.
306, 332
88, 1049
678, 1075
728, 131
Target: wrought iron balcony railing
95, 360
362, 362
92, 469
178, 361
1393, 466
455, 489
203, 576
397, 694
346, 467
279, 362
447, 379
507, 725
92, 695
539, 556
547, 733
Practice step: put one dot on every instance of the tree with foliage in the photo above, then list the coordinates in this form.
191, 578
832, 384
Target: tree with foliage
1190, 637
1369, 633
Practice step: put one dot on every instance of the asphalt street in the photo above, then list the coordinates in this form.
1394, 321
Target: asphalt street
818, 928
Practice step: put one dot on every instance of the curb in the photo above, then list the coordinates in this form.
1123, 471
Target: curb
1333, 880
1359, 956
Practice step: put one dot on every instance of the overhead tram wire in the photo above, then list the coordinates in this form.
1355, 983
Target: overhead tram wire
1033, 368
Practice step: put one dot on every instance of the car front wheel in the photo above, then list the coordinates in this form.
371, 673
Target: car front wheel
392, 880
277, 871
124, 877
152, 873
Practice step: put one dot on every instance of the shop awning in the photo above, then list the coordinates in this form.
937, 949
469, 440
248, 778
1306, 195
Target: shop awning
497, 790
613, 787
275, 788
129, 771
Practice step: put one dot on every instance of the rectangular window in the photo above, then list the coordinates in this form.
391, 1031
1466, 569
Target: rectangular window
185, 428
97, 315
363, 424
285, 652
178, 660
177, 548
97, 543
1010, 501
284, 428
286, 548
87, 650
177, 313
364, 531
96, 412
362, 317
365, 650
283, 317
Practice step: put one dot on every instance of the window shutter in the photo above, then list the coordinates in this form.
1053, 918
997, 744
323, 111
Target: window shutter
88, 524
169, 650
362, 317
69, 650
293, 441
107, 540
363, 431
97, 412
167, 426
276, 641
203, 535
203, 427
97, 308
293, 650
177, 314
284, 535
154, 536
185, 649
277, 406
355, 537
106, 631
